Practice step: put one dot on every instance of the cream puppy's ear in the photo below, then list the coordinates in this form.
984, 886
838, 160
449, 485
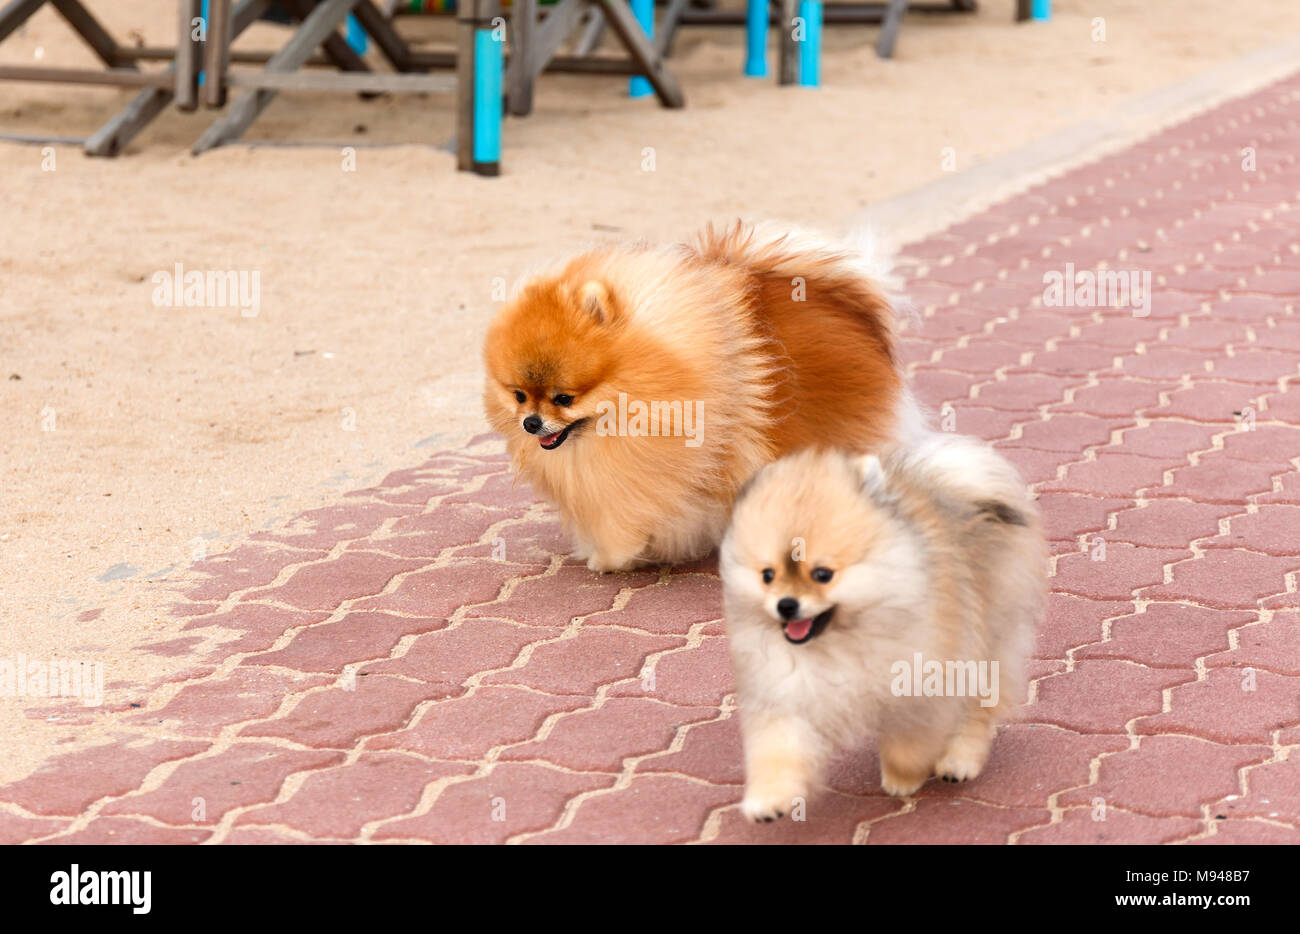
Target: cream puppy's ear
874, 482
594, 298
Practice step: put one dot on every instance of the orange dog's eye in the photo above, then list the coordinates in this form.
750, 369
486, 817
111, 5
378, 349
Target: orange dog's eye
822, 575
768, 574
563, 400
520, 397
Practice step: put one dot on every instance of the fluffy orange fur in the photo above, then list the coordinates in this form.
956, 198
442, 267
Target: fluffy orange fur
776, 341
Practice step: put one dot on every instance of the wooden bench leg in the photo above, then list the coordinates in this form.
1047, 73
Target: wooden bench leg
788, 71
322, 22
15, 14
629, 31
889, 28
523, 41
113, 136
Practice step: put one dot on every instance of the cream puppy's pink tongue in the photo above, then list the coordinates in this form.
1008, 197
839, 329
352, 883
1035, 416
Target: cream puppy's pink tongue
798, 629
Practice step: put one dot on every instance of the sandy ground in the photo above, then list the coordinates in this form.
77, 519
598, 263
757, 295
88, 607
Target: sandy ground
134, 435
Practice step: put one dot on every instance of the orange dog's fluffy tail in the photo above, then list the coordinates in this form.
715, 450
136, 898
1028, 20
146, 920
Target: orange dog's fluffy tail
829, 328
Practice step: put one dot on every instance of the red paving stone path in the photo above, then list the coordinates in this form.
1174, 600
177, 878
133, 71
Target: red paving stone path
421, 662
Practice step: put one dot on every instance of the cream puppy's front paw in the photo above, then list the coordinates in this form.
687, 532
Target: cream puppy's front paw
900, 784
963, 759
765, 805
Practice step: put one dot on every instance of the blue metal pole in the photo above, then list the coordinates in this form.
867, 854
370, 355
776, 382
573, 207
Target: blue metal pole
355, 35
810, 50
756, 39
644, 11
488, 67
204, 13
1041, 9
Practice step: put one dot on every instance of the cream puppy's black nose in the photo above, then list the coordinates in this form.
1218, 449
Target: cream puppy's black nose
533, 424
787, 607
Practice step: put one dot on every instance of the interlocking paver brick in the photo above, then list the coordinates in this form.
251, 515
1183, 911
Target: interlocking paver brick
339, 802
1273, 530
1270, 444
1272, 645
1102, 696
582, 662
120, 831
1257, 366
1273, 792
1113, 473
204, 708
1238, 832
984, 422
557, 600
341, 716
1231, 705
1217, 478
1168, 776
439, 591
672, 607
1213, 401
514, 798
699, 677
1225, 578
467, 727
453, 655
653, 809
1159, 439
1066, 516
827, 818
1112, 572
1169, 523
260, 626
201, 791
354, 638
325, 527
249, 565
325, 585
711, 751
1072, 621
1028, 763
1168, 635
1102, 824
599, 740
17, 829
1069, 432
70, 783
531, 543
956, 820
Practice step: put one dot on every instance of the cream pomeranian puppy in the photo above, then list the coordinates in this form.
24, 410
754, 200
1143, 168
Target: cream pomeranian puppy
893, 595
639, 387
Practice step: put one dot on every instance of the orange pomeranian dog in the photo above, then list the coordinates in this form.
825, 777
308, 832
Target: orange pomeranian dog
639, 387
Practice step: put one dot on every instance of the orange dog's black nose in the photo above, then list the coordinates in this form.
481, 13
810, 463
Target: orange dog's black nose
533, 424
787, 607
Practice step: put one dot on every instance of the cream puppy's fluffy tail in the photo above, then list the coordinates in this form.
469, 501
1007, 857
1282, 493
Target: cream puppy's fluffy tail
866, 253
968, 467
863, 250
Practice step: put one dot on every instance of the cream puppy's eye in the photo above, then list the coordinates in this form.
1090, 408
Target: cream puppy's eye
563, 400
822, 575
520, 397
768, 574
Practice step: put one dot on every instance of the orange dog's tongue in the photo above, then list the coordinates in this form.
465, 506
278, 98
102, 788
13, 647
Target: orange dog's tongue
547, 440
797, 629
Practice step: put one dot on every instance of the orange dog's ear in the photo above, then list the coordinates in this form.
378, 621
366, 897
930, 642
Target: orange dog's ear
595, 299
